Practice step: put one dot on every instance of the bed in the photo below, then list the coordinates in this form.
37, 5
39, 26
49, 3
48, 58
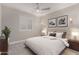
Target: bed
46, 45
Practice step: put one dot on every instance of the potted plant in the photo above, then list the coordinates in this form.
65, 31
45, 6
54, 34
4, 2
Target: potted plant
6, 32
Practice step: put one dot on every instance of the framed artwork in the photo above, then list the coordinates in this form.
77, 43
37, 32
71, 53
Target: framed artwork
62, 21
52, 22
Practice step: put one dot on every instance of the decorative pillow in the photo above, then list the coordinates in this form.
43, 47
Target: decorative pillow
52, 34
59, 34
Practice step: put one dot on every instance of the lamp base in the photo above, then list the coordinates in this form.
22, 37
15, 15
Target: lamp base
75, 38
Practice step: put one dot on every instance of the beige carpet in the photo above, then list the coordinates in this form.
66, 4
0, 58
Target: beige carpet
70, 52
19, 49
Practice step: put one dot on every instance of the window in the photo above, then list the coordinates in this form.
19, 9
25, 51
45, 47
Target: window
25, 23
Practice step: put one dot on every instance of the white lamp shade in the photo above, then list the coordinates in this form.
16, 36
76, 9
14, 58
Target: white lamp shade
70, 19
75, 33
44, 31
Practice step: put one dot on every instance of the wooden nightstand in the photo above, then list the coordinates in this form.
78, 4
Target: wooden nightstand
3, 46
74, 44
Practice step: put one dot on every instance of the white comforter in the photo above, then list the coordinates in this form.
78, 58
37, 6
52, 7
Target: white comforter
46, 45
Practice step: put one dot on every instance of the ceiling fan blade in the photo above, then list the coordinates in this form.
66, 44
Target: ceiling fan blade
46, 8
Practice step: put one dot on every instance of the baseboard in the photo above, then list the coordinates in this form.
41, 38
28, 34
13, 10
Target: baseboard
15, 42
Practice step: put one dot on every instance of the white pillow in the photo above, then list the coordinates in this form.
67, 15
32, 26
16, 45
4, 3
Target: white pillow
49, 37
59, 34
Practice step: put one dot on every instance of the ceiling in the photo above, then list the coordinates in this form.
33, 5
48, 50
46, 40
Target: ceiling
31, 7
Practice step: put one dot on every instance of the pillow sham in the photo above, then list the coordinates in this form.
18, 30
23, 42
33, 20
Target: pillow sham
52, 34
59, 34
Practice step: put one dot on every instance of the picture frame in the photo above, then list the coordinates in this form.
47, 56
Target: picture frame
62, 21
52, 22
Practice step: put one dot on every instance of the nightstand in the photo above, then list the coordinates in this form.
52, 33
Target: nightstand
74, 44
3, 46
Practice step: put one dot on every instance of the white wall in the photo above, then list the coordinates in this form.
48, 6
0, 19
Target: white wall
72, 12
10, 18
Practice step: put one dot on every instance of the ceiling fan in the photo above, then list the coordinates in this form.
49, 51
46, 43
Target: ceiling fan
38, 8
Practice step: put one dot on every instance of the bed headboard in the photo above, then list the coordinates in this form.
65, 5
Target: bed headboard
64, 30
54, 34
64, 34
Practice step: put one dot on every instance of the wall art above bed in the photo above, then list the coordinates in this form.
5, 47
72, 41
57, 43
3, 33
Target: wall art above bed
52, 22
61, 21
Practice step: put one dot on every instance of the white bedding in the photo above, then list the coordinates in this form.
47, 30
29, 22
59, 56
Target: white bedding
46, 45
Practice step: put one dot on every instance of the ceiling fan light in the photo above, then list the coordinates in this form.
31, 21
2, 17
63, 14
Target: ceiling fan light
37, 10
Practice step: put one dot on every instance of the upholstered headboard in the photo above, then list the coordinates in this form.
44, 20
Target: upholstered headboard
64, 34
54, 34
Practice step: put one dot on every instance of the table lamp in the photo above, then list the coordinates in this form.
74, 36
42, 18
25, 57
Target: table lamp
74, 35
